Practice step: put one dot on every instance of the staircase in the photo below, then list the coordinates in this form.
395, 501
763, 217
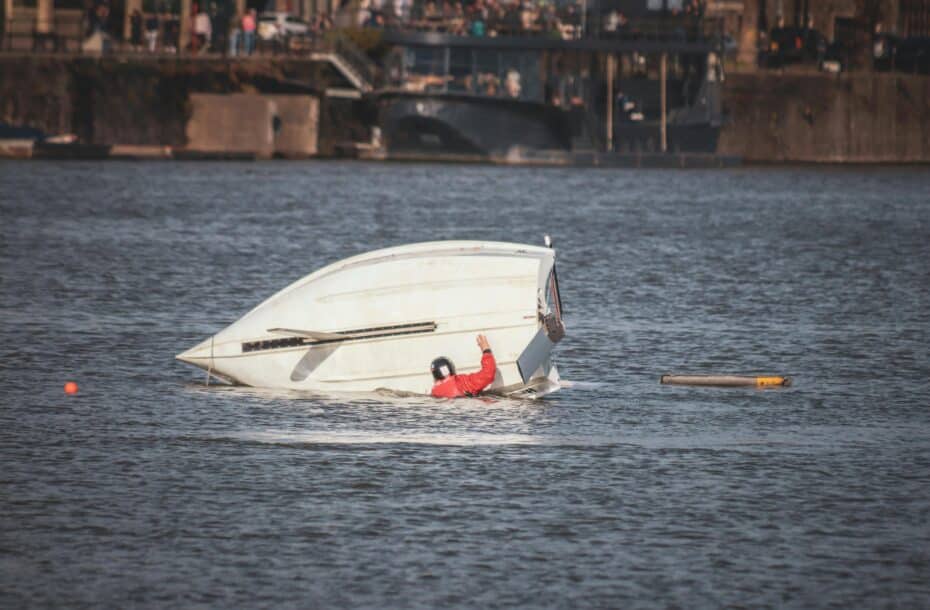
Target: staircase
351, 63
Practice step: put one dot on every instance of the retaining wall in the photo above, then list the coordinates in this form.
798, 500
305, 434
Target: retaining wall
864, 117
773, 116
147, 101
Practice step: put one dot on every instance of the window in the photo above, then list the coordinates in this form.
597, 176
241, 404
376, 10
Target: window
658, 5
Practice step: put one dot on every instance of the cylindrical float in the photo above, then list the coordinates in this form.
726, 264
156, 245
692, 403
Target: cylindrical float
726, 381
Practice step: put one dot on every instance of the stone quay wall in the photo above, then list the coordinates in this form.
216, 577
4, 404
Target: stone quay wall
149, 100
773, 117
822, 118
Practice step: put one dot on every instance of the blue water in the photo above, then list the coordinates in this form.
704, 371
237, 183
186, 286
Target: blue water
148, 489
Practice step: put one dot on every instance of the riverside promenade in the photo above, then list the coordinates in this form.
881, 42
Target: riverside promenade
146, 103
326, 95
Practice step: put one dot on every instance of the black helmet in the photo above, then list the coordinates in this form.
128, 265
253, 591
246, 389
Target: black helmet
441, 368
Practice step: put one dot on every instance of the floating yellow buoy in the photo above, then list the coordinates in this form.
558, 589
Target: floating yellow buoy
727, 381
764, 381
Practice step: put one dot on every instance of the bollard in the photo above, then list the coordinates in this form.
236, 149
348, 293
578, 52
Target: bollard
726, 381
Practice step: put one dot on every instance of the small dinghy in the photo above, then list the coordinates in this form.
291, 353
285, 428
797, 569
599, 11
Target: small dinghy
376, 321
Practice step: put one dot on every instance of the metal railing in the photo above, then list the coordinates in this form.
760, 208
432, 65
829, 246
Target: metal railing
545, 24
577, 27
20, 32
356, 59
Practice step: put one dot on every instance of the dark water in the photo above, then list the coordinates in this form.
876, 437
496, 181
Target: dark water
148, 490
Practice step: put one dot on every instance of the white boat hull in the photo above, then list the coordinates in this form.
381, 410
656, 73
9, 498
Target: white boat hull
377, 320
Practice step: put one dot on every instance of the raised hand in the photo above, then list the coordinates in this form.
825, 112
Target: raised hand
483, 343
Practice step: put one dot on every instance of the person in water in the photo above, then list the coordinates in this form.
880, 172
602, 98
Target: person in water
450, 385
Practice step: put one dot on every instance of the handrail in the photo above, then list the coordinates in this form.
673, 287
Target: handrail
356, 59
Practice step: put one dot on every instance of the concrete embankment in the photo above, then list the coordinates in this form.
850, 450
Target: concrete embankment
151, 101
154, 102
816, 117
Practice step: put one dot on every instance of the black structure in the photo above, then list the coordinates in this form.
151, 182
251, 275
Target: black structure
634, 91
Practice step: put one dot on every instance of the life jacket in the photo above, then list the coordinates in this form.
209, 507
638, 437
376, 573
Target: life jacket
455, 386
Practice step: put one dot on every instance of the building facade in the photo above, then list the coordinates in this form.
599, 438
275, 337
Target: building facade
902, 17
836, 19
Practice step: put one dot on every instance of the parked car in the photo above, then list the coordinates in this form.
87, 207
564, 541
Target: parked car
728, 46
884, 49
794, 45
913, 55
281, 26
838, 56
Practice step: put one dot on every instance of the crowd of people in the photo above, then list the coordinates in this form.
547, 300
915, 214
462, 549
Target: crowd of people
211, 29
214, 30
476, 17
564, 19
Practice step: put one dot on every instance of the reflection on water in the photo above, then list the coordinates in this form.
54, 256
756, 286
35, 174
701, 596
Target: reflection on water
149, 489
364, 437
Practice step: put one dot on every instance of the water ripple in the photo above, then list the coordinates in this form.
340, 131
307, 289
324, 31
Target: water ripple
148, 489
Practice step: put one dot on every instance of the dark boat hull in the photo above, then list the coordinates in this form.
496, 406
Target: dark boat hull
470, 125
646, 137
494, 128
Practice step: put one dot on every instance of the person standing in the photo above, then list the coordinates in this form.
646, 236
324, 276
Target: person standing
203, 30
220, 20
249, 23
172, 33
103, 17
235, 35
194, 43
135, 30
449, 385
151, 32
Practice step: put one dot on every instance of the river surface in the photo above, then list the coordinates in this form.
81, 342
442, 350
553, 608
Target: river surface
147, 489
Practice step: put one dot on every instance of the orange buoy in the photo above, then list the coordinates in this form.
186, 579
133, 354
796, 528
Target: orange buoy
71, 388
776, 380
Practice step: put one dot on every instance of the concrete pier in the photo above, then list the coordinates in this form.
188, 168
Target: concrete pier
872, 117
265, 125
772, 117
151, 101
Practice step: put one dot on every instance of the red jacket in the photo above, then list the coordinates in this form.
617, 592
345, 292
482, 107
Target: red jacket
454, 386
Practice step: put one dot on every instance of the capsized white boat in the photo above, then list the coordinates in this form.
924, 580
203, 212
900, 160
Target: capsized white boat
377, 320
